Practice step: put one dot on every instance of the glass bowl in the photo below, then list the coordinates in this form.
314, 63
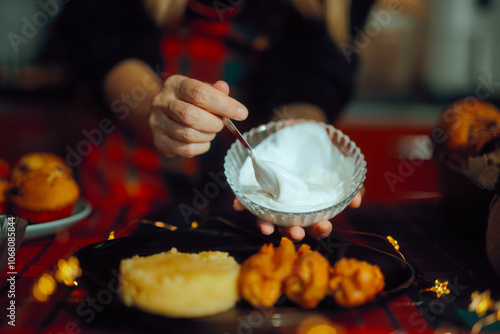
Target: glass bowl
237, 154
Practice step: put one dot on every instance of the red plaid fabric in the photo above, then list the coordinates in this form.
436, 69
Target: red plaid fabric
123, 172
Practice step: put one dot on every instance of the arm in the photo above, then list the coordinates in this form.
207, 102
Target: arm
129, 88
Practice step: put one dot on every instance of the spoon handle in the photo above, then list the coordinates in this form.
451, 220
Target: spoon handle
227, 122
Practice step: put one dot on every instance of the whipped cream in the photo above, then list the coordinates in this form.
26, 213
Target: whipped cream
309, 172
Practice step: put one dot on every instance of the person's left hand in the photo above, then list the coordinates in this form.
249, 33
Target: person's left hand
320, 229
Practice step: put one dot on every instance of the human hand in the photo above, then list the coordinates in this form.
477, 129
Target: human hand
320, 229
185, 115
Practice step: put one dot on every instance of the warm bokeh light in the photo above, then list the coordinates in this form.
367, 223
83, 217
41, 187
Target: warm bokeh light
68, 270
111, 235
44, 288
481, 302
317, 324
322, 329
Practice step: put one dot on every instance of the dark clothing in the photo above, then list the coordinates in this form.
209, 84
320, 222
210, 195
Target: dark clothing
268, 52
275, 55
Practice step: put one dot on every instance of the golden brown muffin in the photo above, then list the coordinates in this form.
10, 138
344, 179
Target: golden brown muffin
176, 284
38, 161
4, 188
468, 129
44, 195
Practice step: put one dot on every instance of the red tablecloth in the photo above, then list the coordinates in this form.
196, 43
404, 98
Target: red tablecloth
432, 254
434, 247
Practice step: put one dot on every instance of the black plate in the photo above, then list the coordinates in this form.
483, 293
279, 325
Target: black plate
100, 262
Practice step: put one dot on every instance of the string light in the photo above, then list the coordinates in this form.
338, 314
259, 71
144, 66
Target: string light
440, 288
44, 287
481, 304
393, 242
66, 272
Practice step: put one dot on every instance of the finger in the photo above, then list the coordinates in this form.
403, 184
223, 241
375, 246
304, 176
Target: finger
186, 134
222, 86
356, 201
237, 205
171, 147
191, 116
294, 233
265, 227
321, 229
211, 99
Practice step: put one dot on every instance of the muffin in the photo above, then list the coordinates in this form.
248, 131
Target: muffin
38, 161
4, 188
469, 129
181, 285
467, 155
44, 195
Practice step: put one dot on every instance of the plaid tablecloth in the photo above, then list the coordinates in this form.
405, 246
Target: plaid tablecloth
434, 247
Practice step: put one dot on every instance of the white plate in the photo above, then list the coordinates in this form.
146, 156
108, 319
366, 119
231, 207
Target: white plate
82, 209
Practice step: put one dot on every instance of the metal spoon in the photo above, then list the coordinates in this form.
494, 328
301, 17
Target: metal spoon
273, 178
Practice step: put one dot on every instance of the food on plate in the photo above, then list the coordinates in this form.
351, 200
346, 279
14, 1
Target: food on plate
38, 161
176, 284
262, 274
4, 188
189, 285
306, 277
307, 284
44, 195
353, 282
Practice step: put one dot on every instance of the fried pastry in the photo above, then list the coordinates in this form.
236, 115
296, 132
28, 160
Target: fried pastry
262, 274
353, 283
308, 283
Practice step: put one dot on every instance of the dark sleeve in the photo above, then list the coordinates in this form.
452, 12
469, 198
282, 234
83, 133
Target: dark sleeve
305, 65
96, 35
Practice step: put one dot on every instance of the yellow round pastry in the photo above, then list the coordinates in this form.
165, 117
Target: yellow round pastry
183, 285
44, 195
38, 161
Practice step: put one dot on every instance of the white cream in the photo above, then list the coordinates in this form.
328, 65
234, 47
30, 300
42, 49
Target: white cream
310, 172
278, 182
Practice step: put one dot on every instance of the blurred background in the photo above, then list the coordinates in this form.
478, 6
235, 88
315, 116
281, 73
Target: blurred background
415, 58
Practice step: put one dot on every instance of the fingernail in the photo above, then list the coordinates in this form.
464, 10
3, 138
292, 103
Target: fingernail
267, 230
297, 234
241, 113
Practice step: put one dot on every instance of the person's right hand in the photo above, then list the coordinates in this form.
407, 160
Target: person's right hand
185, 115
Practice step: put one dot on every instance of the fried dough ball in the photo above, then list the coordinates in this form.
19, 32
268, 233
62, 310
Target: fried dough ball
308, 283
262, 274
353, 283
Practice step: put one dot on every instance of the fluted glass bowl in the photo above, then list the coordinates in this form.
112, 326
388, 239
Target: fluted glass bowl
237, 154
